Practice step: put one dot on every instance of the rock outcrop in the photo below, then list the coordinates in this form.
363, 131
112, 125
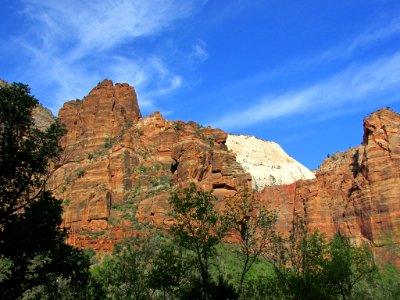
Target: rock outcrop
118, 169
355, 193
266, 161
43, 117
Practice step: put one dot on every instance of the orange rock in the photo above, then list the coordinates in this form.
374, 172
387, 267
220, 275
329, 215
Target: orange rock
119, 169
356, 193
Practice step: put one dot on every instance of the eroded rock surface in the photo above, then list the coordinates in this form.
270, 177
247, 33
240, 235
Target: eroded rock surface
355, 193
266, 161
118, 168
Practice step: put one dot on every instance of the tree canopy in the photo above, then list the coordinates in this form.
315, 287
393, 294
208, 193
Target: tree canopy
34, 256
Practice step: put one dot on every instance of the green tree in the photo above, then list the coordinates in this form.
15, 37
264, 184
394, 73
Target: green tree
125, 276
347, 265
170, 269
254, 224
309, 266
299, 264
198, 229
140, 268
32, 244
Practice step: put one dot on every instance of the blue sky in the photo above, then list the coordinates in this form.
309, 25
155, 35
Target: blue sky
301, 73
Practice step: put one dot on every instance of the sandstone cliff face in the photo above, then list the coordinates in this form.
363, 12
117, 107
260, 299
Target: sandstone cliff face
99, 118
266, 161
355, 193
118, 168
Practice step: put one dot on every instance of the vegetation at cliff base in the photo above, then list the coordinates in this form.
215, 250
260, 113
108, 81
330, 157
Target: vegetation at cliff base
193, 262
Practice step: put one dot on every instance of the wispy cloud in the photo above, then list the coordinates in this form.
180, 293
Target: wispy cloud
376, 81
100, 26
252, 89
73, 44
357, 82
199, 51
380, 31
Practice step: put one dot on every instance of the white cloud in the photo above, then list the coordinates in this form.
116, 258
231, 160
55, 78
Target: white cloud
72, 44
376, 81
105, 24
199, 51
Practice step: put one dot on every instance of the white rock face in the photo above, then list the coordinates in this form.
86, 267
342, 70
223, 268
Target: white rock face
266, 161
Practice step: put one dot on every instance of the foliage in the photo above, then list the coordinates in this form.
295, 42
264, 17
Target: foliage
198, 228
381, 285
149, 267
309, 267
157, 267
35, 258
109, 142
254, 224
25, 151
125, 275
178, 125
299, 264
227, 265
347, 265
80, 172
172, 270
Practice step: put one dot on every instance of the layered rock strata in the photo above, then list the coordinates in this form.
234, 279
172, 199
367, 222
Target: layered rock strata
118, 169
42, 117
355, 193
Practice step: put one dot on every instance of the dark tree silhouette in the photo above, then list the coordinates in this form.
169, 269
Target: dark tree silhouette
33, 255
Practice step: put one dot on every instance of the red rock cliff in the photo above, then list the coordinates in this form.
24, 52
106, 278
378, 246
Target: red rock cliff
356, 193
118, 169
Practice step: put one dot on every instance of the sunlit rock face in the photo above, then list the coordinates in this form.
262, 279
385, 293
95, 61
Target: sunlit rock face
118, 168
355, 193
266, 161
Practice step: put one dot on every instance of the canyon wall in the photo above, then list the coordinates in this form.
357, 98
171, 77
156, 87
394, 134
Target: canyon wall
118, 169
355, 193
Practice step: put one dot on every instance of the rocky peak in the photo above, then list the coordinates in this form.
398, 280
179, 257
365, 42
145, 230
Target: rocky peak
119, 168
103, 114
266, 161
382, 128
43, 117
